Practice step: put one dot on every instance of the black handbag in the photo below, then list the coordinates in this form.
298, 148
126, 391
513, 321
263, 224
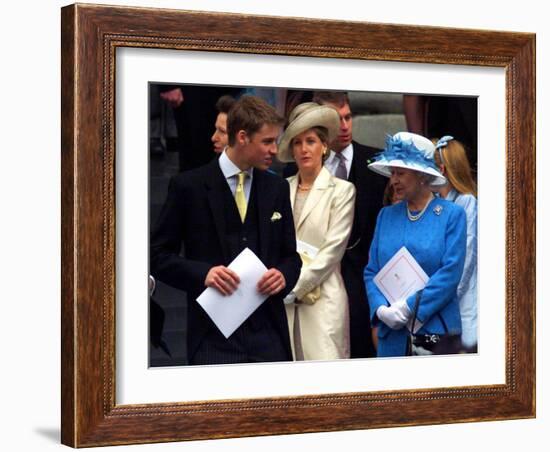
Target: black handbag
436, 344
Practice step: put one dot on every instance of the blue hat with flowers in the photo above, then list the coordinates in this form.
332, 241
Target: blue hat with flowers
410, 151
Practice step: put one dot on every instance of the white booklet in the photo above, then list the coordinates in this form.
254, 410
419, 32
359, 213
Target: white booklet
229, 312
401, 277
306, 250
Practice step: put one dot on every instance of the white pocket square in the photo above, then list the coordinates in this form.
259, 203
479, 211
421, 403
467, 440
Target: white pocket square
276, 216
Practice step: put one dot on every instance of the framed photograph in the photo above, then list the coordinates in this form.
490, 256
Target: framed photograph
112, 59
188, 134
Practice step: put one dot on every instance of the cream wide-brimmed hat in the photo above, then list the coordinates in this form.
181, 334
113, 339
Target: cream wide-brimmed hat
410, 151
304, 117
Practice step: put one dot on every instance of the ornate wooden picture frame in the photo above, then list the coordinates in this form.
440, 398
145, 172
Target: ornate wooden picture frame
90, 37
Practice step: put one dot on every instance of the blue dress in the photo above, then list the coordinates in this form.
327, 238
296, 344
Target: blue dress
438, 243
467, 288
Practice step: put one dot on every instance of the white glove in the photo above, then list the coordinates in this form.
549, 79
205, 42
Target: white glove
290, 298
403, 308
395, 316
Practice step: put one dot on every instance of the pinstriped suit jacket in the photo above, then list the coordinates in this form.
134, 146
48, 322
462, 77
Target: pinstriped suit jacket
193, 213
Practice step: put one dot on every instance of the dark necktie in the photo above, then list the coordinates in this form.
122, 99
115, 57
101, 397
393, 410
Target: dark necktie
341, 170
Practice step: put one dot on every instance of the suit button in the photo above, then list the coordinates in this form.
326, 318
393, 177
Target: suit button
245, 239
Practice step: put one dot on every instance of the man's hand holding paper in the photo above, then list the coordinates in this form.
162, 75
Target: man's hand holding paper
272, 282
234, 293
222, 278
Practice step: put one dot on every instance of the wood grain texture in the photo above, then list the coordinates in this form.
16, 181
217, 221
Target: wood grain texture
67, 233
90, 36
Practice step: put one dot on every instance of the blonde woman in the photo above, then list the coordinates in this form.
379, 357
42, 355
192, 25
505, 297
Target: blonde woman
323, 209
450, 157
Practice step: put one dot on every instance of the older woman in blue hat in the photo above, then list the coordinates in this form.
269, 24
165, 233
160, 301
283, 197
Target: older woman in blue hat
433, 230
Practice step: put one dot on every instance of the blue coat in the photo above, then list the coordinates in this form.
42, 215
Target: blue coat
438, 243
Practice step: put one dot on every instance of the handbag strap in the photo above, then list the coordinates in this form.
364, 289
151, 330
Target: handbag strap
415, 309
415, 312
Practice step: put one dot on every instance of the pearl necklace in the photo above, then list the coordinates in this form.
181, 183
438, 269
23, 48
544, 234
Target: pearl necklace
415, 217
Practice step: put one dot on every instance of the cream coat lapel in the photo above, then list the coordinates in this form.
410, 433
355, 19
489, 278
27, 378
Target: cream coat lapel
293, 182
323, 181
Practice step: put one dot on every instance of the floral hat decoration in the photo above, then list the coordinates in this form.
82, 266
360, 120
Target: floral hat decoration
410, 151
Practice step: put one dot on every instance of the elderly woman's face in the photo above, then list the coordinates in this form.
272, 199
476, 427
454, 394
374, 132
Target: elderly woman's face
307, 149
406, 183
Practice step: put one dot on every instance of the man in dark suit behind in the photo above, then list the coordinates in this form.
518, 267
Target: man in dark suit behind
348, 160
218, 210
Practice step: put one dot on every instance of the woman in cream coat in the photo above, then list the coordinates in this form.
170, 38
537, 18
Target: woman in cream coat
323, 207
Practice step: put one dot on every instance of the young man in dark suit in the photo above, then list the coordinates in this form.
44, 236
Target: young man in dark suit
348, 160
218, 210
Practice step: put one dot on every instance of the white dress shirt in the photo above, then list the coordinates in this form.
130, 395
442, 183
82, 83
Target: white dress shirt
230, 172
